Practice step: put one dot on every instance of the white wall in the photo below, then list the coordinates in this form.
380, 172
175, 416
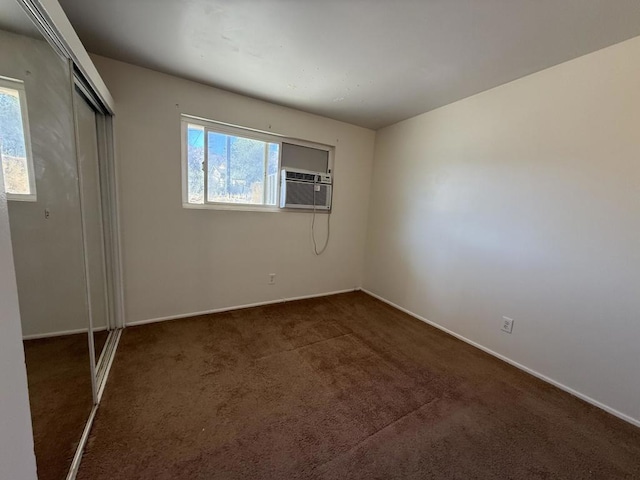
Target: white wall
17, 459
524, 201
178, 261
48, 252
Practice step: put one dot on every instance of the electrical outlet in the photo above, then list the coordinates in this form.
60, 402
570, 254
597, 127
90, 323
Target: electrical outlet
272, 279
507, 324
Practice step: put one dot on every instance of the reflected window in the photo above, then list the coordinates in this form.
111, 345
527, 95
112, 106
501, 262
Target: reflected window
15, 145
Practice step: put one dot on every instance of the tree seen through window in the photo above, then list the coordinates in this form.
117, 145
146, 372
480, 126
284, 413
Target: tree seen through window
239, 169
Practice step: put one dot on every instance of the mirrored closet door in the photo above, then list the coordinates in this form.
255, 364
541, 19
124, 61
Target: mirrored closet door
97, 193
92, 216
54, 146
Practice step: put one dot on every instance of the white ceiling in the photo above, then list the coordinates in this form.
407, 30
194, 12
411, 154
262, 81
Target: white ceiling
367, 62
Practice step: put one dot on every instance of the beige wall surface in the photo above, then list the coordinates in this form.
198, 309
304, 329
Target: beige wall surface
178, 261
524, 201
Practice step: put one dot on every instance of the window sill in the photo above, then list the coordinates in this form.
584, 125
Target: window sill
250, 208
14, 197
237, 208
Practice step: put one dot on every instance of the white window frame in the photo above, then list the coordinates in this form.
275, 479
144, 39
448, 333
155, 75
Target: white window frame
7, 83
227, 129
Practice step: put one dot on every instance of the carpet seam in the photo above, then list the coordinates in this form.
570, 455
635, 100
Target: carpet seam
376, 433
303, 346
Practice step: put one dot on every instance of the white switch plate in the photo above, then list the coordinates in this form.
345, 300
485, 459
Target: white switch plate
507, 324
272, 279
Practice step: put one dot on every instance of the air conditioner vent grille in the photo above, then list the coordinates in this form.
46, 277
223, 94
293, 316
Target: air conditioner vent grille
307, 190
303, 194
309, 177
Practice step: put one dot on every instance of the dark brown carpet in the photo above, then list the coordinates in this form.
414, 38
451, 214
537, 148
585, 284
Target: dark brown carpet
60, 397
341, 387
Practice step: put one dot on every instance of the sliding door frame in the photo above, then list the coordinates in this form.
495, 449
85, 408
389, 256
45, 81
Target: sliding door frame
110, 228
109, 202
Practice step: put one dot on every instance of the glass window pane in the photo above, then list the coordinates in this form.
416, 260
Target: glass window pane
195, 159
236, 169
217, 160
231, 169
12, 144
272, 174
16, 175
247, 170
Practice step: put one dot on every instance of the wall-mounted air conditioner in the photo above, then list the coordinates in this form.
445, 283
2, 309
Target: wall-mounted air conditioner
305, 189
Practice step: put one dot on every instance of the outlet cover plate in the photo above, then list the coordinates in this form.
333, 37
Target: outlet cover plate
507, 324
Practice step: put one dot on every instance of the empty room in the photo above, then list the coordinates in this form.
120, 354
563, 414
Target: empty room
323, 240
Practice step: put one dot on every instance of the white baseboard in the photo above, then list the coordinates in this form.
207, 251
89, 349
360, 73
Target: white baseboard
61, 333
237, 307
602, 406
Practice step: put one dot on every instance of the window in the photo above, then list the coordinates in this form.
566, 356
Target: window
15, 145
226, 165
235, 168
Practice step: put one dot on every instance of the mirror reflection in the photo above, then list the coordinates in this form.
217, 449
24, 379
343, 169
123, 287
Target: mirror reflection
52, 178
